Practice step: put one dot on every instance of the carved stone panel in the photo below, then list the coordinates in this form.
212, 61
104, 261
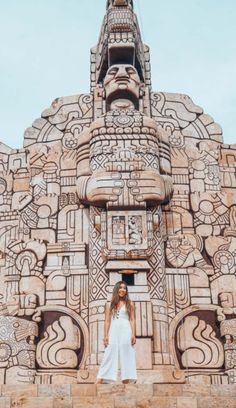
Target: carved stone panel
59, 345
127, 231
118, 183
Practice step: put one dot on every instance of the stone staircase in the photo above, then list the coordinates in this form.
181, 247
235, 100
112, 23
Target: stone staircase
118, 396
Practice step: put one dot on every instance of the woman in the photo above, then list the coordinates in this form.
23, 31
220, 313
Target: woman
119, 338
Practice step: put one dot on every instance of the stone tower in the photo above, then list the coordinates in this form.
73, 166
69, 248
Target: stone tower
122, 182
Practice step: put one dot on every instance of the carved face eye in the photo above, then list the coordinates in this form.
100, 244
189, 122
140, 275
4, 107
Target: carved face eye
112, 71
16, 325
131, 71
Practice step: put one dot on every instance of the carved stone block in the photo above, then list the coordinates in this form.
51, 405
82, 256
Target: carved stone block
120, 183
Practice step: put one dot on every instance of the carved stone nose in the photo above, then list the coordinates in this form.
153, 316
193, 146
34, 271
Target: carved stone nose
122, 73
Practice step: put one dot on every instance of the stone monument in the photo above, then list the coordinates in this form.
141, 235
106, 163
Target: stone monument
120, 183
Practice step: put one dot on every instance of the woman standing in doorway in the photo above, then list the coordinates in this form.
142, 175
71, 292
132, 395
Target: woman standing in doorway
119, 338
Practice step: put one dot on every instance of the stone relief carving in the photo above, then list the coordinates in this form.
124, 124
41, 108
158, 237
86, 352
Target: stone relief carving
67, 114
118, 230
226, 315
204, 167
199, 346
135, 230
19, 305
228, 330
183, 251
185, 116
58, 347
24, 265
119, 183
18, 348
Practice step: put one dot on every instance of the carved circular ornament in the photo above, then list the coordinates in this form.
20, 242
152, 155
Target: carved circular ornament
206, 207
44, 211
26, 261
224, 259
124, 121
69, 141
176, 140
5, 352
198, 165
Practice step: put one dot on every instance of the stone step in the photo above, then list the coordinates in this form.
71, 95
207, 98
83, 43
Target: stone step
118, 402
118, 396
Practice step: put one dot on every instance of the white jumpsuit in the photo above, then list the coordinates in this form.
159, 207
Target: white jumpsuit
119, 353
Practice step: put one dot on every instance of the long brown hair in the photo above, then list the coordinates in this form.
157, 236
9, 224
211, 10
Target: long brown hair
115, 298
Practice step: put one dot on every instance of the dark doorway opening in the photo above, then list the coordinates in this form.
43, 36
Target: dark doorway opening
128, 278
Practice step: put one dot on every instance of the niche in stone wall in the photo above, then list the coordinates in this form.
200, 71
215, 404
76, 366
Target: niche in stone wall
61, 342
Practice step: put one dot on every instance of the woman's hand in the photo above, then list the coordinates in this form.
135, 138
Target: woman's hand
133, 340
106, 341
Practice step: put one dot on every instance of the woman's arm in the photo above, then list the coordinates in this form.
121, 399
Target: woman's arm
107, 324
133, 324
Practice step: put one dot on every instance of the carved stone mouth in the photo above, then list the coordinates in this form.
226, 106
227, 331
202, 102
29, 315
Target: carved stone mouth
122, 81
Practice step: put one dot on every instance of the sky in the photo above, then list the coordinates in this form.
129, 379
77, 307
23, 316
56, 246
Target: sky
45, 50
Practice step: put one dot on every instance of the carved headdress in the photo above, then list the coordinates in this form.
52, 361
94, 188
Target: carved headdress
120, 42
120, 3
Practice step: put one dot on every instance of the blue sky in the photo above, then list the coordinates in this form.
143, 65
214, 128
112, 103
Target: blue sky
44, 54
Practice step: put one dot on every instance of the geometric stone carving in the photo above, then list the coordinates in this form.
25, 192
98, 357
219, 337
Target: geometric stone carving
228, 330
221, 250
19, 305
119, 183
226, 316
17, 347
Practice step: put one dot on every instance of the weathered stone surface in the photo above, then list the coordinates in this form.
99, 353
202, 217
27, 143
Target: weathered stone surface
170, 390
163, 402
161, 396
31, 402
225, 391
144, 391
5, 402
105, 390
124, 402
143, 403
197, 390
86, 390
19, 391
186, 402
213, 402
120, 183
54, 390
89, 402
63, 402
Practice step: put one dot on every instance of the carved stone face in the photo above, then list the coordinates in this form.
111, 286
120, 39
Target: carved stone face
122, 81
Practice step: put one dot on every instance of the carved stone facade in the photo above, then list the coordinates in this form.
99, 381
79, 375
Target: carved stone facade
119, 183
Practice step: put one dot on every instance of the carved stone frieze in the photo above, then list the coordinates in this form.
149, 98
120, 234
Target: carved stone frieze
120, 183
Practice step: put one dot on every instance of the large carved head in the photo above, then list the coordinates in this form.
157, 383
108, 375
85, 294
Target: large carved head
122, 82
